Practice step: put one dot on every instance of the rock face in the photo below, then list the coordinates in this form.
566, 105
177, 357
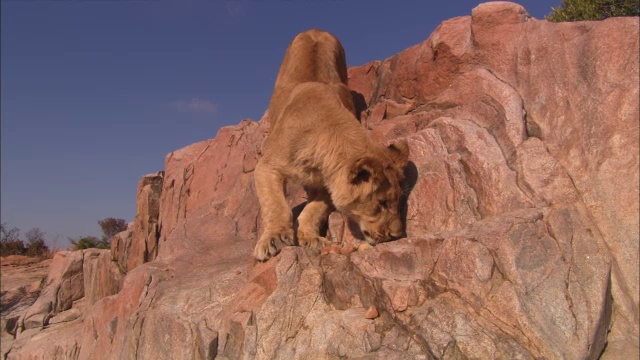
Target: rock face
63, 286
21, 280
521, 213
139, 243
101, 276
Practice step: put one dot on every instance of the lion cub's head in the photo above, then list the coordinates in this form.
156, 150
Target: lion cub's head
374, 192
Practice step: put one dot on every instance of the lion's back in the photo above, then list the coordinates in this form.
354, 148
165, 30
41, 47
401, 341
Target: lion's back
312, 56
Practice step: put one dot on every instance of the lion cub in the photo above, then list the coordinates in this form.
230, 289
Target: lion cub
316, 140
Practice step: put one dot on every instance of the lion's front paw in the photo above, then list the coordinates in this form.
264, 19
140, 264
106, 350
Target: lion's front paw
314, 242
267, 246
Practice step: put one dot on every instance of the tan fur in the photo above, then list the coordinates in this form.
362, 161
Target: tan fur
316, 140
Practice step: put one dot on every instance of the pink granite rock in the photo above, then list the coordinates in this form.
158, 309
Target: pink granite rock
139, 243
64, 285
101, 276
521, 213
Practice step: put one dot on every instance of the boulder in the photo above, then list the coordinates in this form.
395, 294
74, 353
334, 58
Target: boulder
120, 246
579, 111
214, 174
22, 278
102, 277
64, 285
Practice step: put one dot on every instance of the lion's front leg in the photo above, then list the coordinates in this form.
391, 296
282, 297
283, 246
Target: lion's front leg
312, 218
276, 215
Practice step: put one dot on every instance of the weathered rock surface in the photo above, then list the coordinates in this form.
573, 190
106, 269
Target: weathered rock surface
101, 276
18, 260
75, 281
63, 286
21, 278
139, 243
521, 212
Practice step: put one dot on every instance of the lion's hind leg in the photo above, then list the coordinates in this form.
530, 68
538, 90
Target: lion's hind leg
312, 218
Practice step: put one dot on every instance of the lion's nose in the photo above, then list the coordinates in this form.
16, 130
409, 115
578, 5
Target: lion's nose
395, 228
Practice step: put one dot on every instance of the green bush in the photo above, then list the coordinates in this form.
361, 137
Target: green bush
87, 242
578, 10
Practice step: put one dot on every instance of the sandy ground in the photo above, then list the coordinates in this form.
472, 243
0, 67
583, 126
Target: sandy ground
12, 276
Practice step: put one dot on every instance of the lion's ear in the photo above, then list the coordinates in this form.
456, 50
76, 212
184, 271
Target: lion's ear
364, 170
399, 152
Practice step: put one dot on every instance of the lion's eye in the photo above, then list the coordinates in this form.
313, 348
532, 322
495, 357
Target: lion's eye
384, 204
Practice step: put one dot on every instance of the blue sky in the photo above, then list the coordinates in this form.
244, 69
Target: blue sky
96, 93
